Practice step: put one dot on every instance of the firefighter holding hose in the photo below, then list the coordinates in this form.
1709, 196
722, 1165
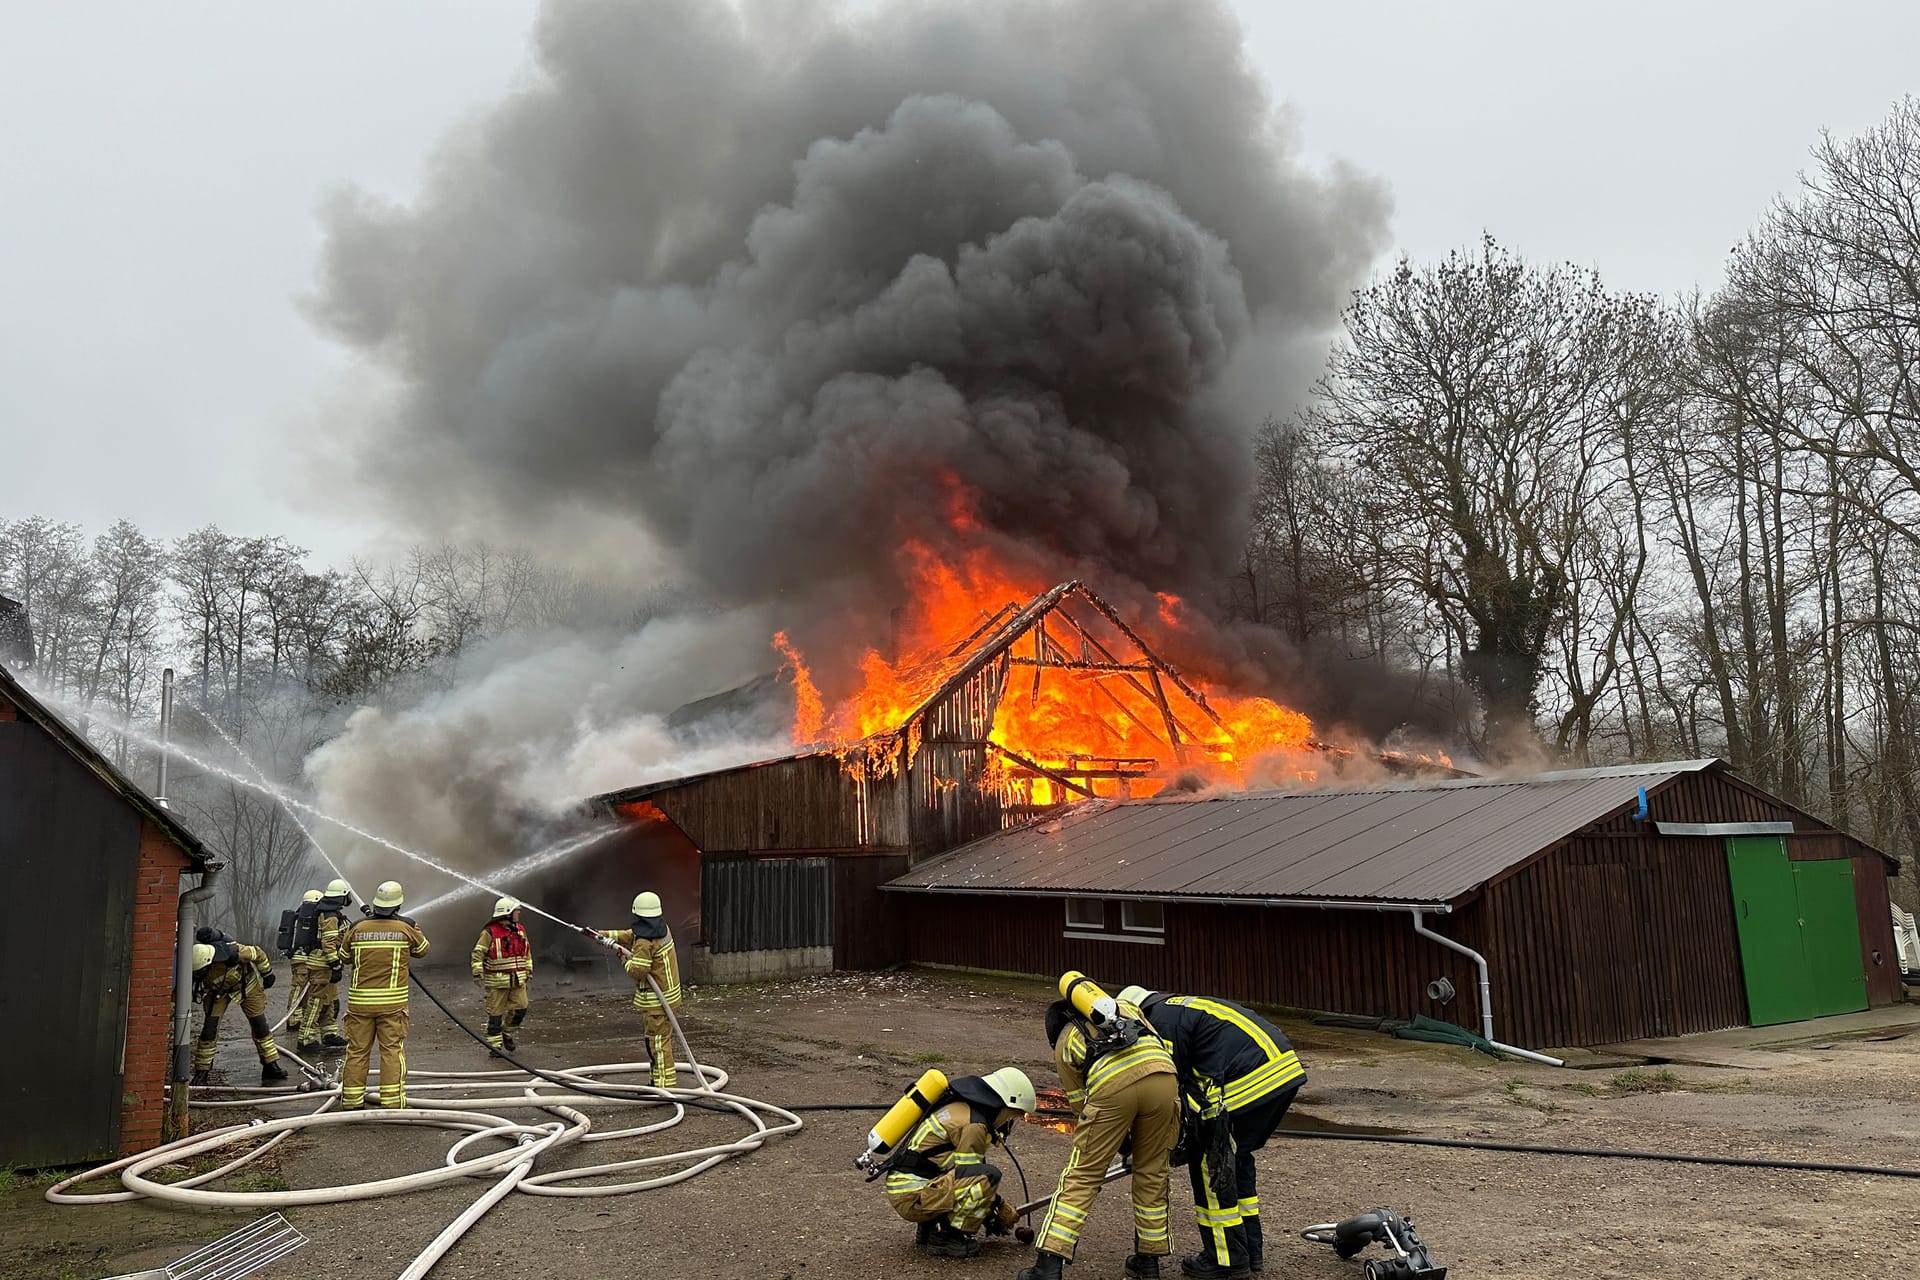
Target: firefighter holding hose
1240, 1074
223, 970
503, 965
649, 944
1120, 1082
381, 949
940, 1179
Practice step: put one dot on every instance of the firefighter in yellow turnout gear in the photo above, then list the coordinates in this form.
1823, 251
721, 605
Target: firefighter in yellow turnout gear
940, 1178
381, 949
502, 965
1240, 1074
1120, 1083
300, 978
326, 965
649, 943
222, 970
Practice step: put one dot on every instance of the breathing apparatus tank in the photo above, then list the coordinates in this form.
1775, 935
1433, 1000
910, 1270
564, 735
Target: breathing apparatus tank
1089, 1001
899, 1121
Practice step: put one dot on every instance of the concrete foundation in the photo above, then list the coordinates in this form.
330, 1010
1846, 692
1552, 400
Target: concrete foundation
701, 965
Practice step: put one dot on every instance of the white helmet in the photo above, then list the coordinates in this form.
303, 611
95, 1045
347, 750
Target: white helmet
202, 955
311, 895
1014, 1088
646, 905
505, 907
389, 894
1135, 996
339, 889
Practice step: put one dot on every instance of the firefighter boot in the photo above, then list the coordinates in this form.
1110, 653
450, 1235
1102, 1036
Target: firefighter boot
949, 1243
1202, 1267
201, 1075
923, 1235
1256, 1248
272, 1072
333, 1041
1046, 1266
1142, 1266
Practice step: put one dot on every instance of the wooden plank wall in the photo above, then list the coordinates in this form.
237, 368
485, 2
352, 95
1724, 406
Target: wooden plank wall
868, 932
802, 804
1338, 961
766, 904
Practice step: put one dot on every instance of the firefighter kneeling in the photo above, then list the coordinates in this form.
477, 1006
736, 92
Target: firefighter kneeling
940, 1179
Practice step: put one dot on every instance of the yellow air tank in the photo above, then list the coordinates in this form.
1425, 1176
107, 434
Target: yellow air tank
1093, 1004
900, 1119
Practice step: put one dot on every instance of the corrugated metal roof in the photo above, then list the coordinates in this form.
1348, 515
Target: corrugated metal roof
1414, 842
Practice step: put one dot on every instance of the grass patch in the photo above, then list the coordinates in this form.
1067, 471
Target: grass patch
1660, 1080
264, 1180
928, 1058
1586, 1090
14, 1179
1519, 1099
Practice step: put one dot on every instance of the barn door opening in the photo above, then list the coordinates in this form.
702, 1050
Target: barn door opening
1799, 933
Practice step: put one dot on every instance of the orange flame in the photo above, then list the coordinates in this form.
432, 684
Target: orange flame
810, 713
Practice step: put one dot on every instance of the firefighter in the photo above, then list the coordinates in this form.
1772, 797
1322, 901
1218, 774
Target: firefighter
223, 969
650, 946
326, 965
502, 965
1240, 1074
1120, 1083
300, 974
941, 1179
380, 948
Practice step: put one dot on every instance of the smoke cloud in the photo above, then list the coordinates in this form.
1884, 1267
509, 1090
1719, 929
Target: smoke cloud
769, 280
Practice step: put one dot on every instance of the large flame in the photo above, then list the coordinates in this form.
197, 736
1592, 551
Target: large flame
1107, 730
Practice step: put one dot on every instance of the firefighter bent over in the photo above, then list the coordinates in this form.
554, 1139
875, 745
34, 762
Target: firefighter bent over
326, 961
1120, 1082
380, 949
1240, 1074
502, 965
940, 1178
650, 946
222, 970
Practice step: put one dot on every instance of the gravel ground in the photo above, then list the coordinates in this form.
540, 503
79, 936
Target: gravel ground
796, 1210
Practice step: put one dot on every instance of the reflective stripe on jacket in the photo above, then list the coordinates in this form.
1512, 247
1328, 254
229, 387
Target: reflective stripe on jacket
1144, 1057
381, 949
650, 958
223, 979
502, 958
1240, 1056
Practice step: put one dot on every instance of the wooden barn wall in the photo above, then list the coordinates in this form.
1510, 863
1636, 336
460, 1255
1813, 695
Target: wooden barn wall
868, 932
796, 805
1613, 938
1336, 961
766, 904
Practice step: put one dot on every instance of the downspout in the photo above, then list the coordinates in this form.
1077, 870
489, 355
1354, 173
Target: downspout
1486, 990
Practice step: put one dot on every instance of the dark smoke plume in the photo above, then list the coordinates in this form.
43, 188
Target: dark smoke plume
771, 283
764, 280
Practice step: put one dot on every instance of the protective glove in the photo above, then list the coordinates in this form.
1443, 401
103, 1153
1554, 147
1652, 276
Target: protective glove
334, 973
266, 979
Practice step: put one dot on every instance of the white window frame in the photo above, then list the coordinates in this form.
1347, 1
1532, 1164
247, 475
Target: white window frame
1083, 925
1127, 907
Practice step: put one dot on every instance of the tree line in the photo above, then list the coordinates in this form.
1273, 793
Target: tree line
1626, 527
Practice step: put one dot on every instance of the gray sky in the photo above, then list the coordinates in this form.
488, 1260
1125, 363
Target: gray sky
160, 166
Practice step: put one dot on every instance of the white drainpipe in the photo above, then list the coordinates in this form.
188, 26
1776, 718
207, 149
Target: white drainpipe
1486, 990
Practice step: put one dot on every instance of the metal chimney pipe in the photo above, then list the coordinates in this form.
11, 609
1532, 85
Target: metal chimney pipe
166, 733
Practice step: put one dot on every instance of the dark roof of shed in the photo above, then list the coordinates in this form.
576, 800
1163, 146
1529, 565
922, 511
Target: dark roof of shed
86, 753
1425, 842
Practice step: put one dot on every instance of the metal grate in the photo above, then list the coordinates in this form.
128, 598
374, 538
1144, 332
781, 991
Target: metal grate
246, 1252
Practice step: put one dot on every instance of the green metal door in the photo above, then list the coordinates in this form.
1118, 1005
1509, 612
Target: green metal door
1766, 909
1830, 933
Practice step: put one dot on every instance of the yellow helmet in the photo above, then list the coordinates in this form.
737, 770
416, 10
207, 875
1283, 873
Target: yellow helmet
1014, 1088
646, 905
505, 907
202, 955
311, 895
339, 889
389, 894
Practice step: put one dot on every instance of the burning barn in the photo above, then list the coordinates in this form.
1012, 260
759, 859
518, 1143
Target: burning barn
1015, 711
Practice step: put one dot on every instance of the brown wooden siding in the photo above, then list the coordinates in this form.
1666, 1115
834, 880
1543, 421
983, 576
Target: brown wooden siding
1877, 951
806, 803
1359, 962
868, 932
1616, 938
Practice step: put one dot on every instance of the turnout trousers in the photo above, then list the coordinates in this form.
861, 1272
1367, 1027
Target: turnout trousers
962, 1203
1148, 1111
253, 1003
1230, 1232
506, 1010
364, 1028
660, 1047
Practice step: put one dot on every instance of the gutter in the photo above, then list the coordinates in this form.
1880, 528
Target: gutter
1418, 910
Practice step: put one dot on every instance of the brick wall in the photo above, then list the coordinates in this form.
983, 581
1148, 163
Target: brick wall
156, 900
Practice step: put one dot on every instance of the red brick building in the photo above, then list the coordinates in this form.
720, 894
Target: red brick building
90, 869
